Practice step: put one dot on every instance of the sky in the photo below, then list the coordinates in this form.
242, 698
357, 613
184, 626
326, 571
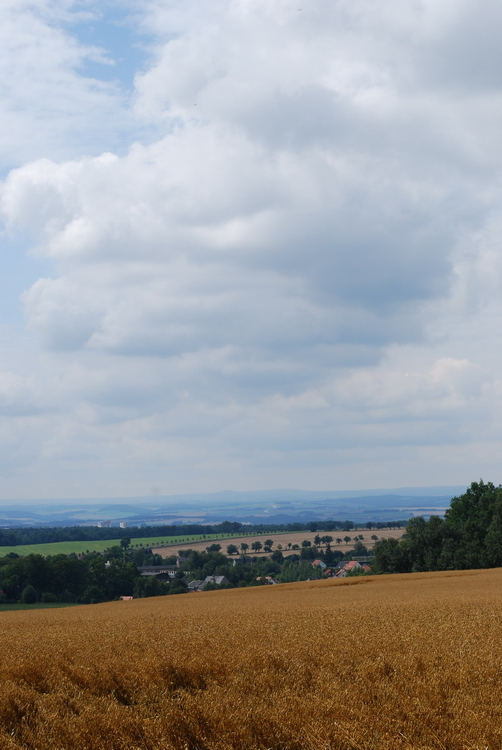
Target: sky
249, 244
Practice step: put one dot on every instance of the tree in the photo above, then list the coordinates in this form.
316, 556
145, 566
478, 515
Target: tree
213, 548
346, 539
391, 557
67, 576
29, 595
149, 586
359, 549
424, 543
309, 553
48, 598
125, 542
338, 540
244, 547
306, 543
232, 549
374, 537
474, 506
269, 543
230, 526
36, 570
256, 546
114, 553
493, 542
330, 556
317, 540
211, 586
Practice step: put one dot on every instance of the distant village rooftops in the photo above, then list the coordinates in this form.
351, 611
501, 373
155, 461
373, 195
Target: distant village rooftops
162, 572
199, 585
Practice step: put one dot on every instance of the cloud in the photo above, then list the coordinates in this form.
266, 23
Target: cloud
47, 106
198, 241
302, 263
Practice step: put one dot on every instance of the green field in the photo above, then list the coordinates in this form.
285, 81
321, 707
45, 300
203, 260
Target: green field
66, 548
39, 605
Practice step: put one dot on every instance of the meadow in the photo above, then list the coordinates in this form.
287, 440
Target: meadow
66, 548
409, 662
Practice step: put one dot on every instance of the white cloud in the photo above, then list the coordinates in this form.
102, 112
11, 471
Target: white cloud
47, 106
300, 272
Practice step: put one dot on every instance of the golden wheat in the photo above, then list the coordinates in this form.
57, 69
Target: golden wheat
410, 661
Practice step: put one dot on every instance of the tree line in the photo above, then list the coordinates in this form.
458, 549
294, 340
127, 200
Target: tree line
98, 577
86, 579
45, 535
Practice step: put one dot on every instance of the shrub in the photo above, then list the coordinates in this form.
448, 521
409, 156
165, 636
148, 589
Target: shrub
29, 595
48, 598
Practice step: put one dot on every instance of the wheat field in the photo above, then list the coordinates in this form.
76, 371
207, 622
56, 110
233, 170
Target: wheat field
410, 661
293, 537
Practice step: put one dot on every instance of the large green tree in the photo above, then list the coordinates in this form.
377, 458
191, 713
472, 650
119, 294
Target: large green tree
470, 536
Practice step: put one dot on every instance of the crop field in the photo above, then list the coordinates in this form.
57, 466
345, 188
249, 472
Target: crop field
66, 548
409, 662
169, 545
286, 538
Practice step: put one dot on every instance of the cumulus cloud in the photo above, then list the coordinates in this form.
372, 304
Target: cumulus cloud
303, 263
48, 106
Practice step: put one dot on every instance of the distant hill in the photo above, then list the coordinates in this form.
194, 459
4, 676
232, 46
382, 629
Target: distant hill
259, 506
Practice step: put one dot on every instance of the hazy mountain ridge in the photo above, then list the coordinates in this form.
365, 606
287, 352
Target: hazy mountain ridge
261, 506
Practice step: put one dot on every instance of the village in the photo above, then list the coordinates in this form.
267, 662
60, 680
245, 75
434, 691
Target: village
308, 562
340, 571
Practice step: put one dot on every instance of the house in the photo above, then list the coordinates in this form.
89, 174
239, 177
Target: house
161, 572
199, 585
218, 580
344, 567
319, 564
126, 598
243, 560
268, 580
195, 585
